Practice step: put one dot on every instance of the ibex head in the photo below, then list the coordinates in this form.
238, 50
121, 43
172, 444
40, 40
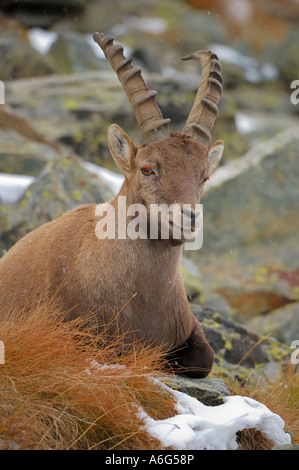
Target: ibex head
168, 167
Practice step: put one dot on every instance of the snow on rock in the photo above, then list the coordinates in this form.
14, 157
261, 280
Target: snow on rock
12, 187
199, 427
42, 40
112, 179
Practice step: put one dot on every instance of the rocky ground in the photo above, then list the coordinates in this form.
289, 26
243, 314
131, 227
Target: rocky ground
243, 283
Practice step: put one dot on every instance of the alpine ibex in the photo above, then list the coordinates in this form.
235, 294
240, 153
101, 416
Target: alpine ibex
139, 279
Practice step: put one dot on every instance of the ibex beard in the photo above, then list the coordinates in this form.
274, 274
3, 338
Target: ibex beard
138, 277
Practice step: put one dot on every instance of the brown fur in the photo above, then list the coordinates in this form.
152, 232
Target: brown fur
133, 285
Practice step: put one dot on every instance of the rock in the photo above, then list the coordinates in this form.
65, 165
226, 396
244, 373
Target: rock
19, 59
42, 13
167, 35
191, 278
216, 302
75, 110
270, 98
5, 444
20, 157
250, 241
287, 51
225, 129
282, 323
239, 353
208, 391
264, 185
10, 120
146, 60
4, 227
72, 53
253, 300
63, 185
93, 16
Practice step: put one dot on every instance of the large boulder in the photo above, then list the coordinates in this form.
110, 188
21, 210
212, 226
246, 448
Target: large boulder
250, 242
62, 185
254, 199
43, 13
71, 52
240, 353
19, 59
287, 51
283, 323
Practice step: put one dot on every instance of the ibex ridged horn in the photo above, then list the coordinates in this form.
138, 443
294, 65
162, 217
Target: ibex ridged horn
205, 108
149, 117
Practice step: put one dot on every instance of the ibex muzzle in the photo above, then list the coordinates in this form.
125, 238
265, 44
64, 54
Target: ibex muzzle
134, 286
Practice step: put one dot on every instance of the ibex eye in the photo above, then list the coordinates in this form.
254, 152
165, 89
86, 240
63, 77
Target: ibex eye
205, 179
146, 170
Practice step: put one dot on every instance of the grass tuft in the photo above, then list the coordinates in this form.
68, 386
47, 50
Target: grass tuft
59, 390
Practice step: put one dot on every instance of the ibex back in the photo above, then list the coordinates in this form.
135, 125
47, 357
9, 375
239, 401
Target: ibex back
132, 285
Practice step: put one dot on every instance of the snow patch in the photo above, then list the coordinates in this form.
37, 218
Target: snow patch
201, 427
245, 124
253, 71
42, 40
153, 25
13, 187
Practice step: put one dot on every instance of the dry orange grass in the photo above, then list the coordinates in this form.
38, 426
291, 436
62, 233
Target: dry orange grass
57, 391
60, 390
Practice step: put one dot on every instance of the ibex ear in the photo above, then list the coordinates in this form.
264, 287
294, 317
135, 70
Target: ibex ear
215, 152
122, 148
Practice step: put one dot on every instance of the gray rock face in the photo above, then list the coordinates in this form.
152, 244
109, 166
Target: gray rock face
72, 53
62, 185
208, 391
239, 353
19, 60
282, 323
257, 199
